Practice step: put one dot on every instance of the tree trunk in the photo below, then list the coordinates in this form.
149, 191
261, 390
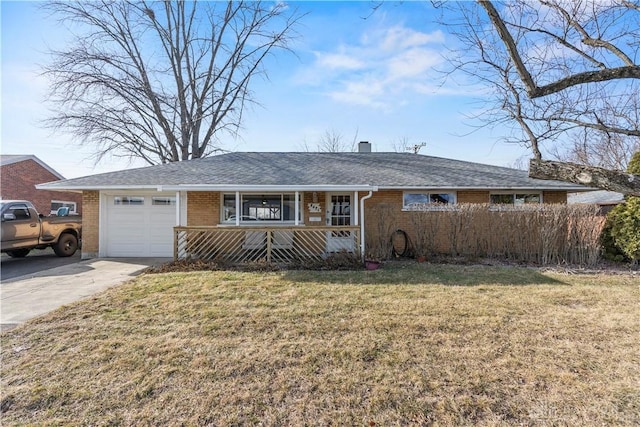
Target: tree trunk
591, 176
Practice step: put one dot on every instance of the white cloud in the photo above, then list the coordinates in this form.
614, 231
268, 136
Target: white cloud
398, 38
338, 61
386, 66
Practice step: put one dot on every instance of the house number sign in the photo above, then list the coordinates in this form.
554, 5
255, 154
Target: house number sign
314, 208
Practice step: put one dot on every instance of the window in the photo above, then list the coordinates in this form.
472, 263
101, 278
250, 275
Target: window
57, 204
163, 201
20, 211
420, 200
128, 200
259, 207
515, 199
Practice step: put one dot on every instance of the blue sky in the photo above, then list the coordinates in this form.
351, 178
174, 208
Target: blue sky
372, 79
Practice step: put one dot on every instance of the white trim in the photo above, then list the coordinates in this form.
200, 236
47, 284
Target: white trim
428, 206
266, 188
53, 186
64, 202
296, 208
102, 221
178, 209
539, 193
298, 212
356, 215
184, 197
362, 242
239, 209
507, 188
56, 186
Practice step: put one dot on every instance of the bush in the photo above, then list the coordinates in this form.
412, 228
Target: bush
623, 223
625, 227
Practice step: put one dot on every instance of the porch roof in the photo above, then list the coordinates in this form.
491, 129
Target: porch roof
262, 171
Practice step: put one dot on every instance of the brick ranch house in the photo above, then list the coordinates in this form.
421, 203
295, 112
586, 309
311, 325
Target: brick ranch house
19, 176
280, 206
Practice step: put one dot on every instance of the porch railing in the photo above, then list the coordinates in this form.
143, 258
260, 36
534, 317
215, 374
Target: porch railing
268, 244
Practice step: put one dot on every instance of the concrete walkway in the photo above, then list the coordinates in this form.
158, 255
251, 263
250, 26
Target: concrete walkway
26, 297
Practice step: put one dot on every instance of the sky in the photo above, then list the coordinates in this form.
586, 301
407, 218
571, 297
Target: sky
366, 75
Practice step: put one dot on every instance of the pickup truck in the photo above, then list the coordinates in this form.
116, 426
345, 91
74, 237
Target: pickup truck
23, 229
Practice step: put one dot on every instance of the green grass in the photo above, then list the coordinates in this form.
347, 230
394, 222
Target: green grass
410, 344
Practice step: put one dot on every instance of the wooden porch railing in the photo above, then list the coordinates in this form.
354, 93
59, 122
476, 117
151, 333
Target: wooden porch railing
279, 245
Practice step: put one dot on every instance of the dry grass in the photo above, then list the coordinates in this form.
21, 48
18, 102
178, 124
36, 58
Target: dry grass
405, 345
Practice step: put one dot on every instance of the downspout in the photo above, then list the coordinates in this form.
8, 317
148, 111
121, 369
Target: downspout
368, 196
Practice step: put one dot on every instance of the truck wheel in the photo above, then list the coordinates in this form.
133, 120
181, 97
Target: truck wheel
66, 246
18, 253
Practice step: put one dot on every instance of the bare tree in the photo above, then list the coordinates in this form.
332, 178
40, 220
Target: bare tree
560, 67
611, 151
161, 81
332, 141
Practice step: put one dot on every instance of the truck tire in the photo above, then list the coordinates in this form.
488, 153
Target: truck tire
18, 253
66, 246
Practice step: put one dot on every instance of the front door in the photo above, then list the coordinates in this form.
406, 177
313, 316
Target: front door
340, 213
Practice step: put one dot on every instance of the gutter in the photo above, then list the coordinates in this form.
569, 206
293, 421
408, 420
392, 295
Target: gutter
261, 188
210, 187
362, 242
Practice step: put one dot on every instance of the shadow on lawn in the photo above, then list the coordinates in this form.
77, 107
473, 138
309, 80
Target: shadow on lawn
424, 274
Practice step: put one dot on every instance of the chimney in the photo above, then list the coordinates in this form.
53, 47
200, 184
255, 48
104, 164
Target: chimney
364, 147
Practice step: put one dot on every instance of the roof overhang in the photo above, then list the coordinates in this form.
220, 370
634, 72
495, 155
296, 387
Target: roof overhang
261, 188
573, 189
210, 187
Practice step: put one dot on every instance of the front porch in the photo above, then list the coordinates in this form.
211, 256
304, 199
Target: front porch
275, 244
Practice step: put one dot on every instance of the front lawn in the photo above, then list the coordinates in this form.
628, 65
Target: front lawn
412, 344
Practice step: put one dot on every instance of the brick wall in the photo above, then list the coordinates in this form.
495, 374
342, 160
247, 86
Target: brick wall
203, 208
473, 196
320, 199
90, 224
18, 181
554, 196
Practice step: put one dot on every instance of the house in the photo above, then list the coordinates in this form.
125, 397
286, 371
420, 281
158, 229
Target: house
269, 204
19, 176
606, 200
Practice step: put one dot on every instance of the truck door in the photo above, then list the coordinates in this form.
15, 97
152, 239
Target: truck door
20, 226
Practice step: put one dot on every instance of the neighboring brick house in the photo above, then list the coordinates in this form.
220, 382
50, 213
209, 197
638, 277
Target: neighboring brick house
19, 175
313, 202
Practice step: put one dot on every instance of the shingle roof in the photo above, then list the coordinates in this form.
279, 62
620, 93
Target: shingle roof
384, 170
601, 197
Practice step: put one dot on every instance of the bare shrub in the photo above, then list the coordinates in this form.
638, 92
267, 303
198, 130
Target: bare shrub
585, 229
381, 224
425, 225
541, 234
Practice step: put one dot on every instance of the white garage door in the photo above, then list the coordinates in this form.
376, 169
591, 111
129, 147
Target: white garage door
140, 225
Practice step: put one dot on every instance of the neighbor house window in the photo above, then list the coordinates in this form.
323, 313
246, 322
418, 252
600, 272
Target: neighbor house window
128, 200
259, 207
57, 204
516, 199
430, 200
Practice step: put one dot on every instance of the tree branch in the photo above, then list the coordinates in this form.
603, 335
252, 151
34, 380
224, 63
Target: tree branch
591, 176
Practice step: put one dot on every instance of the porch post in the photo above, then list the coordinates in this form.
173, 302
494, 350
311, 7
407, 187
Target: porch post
356, 220
362, 242
238, 209
178, 208
297, 208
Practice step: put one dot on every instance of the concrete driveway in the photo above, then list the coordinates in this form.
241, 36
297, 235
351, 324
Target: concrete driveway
23, 298
37, 260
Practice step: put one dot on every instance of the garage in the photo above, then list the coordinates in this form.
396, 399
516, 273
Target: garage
139, 225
